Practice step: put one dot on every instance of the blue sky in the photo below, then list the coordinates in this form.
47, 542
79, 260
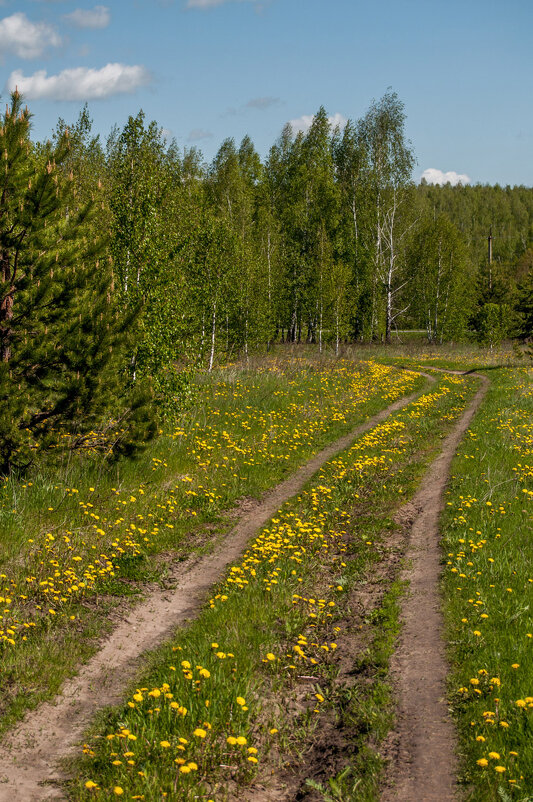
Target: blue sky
209, 69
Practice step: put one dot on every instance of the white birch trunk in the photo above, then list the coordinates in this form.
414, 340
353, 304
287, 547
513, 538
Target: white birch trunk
213, 332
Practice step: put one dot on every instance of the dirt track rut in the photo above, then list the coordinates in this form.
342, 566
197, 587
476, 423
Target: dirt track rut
421, 748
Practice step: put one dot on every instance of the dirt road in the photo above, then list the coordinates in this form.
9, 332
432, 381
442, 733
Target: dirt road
29, 755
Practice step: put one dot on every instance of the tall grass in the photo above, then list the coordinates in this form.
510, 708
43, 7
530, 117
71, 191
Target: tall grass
488, 586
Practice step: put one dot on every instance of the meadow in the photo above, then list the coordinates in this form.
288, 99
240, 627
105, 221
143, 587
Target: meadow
79, 541
238, 695
281, 685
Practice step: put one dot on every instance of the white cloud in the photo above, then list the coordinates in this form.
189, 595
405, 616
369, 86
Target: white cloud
80, 83
337, 120
262, 103
434, 176
24, 38
97, 17
198, 133
302, 123
305, 122
212, 3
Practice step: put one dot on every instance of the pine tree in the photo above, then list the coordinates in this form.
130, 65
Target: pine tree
60, 339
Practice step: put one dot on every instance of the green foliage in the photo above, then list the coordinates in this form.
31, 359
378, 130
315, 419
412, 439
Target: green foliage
439, 279
61, 337
391, 161
231, 186
506, 215
147, 178
320, 241
524, 308
479, 209
492, 323
326, 241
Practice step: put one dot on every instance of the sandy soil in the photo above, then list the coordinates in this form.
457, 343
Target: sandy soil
421, 748
29, 755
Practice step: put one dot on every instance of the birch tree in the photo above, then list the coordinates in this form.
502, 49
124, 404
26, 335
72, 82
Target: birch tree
147, 204
391, 162
352, 175
439, 284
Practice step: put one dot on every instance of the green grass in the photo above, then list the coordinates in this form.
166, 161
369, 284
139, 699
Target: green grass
488, 585
408, 350
275, 415
277, 615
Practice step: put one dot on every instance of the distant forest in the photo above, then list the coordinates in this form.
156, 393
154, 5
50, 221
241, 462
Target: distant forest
138, 259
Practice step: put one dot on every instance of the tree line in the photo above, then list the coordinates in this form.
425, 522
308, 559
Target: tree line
125, 264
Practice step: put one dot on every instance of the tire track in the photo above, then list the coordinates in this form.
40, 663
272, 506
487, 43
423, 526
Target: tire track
422, 745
